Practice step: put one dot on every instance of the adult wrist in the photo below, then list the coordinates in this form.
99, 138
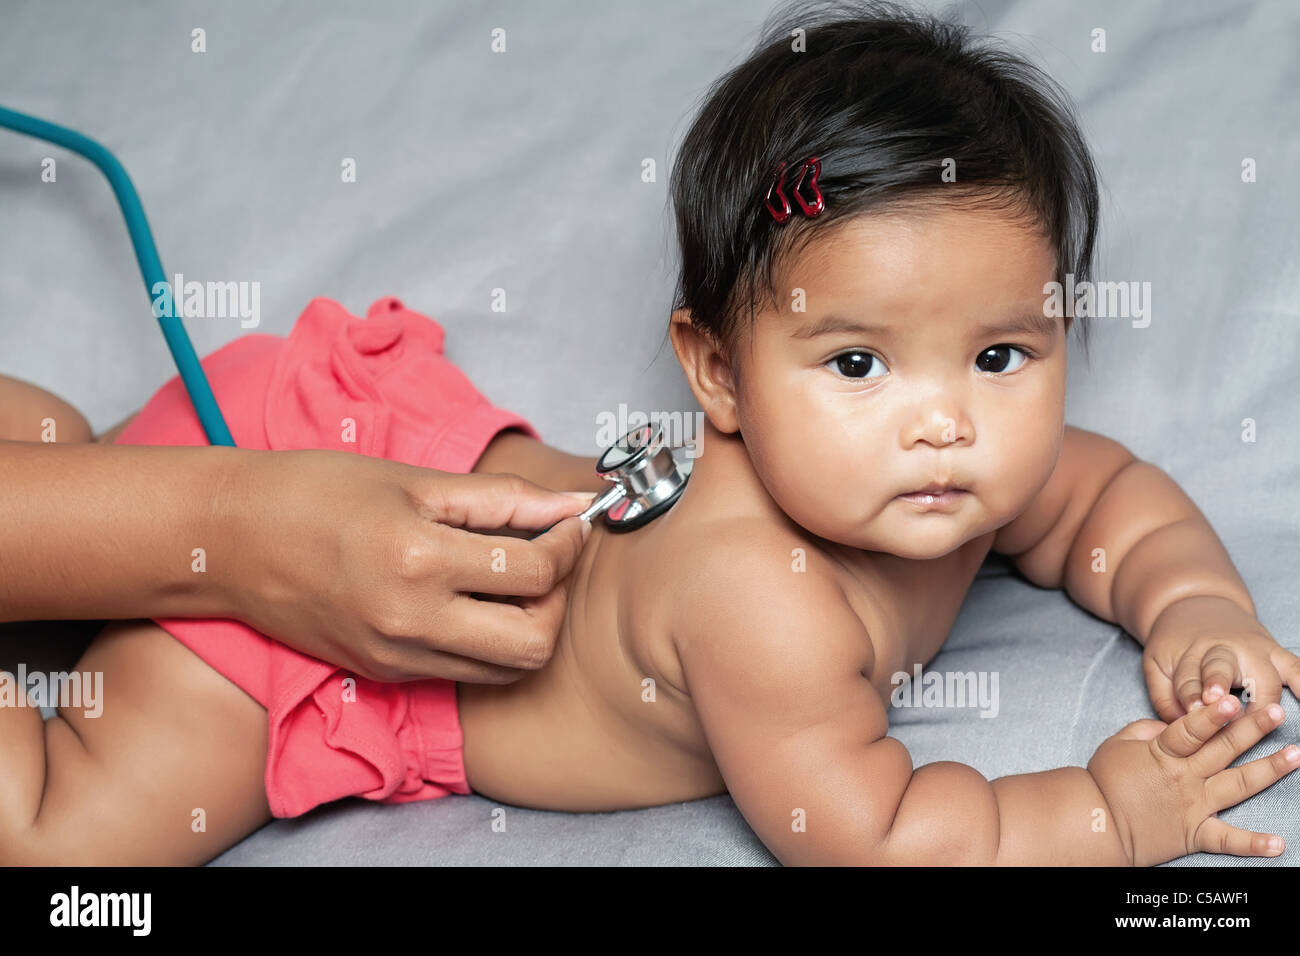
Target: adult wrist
233, 529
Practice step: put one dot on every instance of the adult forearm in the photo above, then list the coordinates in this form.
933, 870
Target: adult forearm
951, 815
94, 531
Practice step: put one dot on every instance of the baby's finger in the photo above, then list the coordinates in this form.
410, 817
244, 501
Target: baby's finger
1186, 735
1262, 683
1231, 786
1161, 690
1215, 836
1235, 739
1218, 672
1288, 668
1187, 680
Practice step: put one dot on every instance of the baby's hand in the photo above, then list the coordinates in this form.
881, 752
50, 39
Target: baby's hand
1201, 647
1165, 783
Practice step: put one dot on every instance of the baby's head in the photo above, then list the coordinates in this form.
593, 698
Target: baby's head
898, 338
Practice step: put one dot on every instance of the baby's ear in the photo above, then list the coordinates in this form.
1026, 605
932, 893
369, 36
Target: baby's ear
707, 372
682, 332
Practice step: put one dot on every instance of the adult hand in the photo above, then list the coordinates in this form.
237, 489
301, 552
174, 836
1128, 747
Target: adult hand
372, 564
366, 563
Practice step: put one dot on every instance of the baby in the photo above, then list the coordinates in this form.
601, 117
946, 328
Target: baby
870, 209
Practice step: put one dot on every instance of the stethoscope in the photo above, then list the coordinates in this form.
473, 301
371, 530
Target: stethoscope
146, 254
647, 475
648, 478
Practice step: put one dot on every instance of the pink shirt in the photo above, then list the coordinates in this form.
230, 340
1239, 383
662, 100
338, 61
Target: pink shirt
378, 386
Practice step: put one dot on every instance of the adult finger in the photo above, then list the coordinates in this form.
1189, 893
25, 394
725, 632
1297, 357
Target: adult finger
519, 635
497, 564
416, 661
489, 501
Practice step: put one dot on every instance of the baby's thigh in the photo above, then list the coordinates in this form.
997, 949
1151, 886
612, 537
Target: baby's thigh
30, 413
110, 436
170, 772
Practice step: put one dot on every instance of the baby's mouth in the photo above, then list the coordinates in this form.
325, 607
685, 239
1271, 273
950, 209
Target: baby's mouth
942, 498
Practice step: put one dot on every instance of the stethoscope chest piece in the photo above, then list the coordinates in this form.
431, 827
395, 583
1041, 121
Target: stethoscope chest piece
648, 477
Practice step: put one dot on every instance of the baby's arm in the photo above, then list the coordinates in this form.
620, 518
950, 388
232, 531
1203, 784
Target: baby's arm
776, 663
1119, 536
513, 452
1128, 545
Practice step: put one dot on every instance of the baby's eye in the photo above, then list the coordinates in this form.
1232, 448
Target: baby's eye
998, 358
855, 364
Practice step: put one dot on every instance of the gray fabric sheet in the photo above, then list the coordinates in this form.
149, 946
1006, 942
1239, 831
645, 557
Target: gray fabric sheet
522, 171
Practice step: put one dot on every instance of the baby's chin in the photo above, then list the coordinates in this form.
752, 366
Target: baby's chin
922, 551
916, 538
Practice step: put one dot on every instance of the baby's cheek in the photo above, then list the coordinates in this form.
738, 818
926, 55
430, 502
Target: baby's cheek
1028, 461
820, 495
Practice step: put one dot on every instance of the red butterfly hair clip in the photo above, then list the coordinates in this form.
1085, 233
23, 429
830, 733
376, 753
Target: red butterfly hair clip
810, 209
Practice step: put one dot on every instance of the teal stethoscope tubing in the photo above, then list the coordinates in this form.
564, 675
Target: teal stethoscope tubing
146, 254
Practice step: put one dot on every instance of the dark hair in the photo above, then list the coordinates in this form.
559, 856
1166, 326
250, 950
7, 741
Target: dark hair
882, 95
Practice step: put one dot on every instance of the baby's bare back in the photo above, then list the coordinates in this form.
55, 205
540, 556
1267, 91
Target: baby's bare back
609, 723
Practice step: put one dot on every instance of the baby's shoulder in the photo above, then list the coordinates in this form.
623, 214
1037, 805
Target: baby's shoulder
745, 575
751, 549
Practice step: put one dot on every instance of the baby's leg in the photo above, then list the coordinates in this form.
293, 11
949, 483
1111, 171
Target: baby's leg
110, 436
29, 413
171, 772
26, 412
